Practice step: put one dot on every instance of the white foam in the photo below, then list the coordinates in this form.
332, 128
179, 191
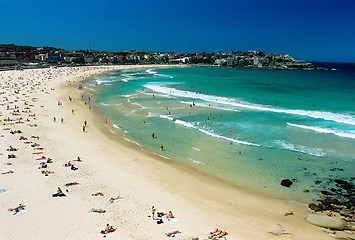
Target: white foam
150, 114
190, 125
197, 149
198, 162
341, 118
104, 104
185, 124
347, 134
161, 156
116, 126
211, 106
300, 148
141, 106
132, 141
167, 117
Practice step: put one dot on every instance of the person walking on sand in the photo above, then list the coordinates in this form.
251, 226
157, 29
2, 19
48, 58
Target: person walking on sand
153, 212
54, 119
83, 128
85, 123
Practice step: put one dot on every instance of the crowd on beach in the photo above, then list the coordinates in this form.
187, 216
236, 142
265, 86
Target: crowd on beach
18, 116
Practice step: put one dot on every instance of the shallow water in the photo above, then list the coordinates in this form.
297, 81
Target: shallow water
249, 127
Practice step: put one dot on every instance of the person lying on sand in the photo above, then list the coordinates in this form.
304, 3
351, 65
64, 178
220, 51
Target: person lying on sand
113, 199
108, 229
71, 184
217, 233
172, 234
37, 137
11, 149
11, 156
18, 208
97, 194
73, 168
43, 165
7, 172
98, 210
47, 172
170, 215
67, 164
78, 159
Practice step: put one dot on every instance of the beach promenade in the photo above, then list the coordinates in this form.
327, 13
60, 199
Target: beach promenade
47, 124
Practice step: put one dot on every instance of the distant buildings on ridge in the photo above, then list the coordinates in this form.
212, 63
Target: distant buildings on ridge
27, 56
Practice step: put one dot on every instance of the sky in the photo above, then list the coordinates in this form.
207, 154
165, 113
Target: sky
311, 30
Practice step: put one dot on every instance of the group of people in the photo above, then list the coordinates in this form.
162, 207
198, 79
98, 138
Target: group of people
218, 233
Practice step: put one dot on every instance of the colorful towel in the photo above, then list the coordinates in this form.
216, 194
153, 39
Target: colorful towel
2, 190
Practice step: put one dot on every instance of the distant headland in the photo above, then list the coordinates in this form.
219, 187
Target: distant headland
15, 56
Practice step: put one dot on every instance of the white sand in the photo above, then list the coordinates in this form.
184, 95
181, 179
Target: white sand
113, 168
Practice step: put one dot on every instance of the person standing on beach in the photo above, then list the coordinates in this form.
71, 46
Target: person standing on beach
85, 123
161, 147
153, 213
83, 128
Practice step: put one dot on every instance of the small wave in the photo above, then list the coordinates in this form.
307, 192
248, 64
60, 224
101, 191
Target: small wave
150, 114
197, 149
167, 117
190, 125
300, 148
105, 104
161, 156
141, 106
198, 162
350, 134
211, 106
116, 126
132, 141
151, 71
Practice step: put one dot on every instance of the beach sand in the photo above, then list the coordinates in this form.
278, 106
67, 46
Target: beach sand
115, 168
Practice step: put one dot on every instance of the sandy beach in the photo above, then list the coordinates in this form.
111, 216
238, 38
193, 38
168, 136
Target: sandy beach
43, 107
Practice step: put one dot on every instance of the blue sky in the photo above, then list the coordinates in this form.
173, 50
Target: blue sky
321, 30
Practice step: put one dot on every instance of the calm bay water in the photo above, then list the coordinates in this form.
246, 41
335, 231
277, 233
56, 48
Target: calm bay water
249, 127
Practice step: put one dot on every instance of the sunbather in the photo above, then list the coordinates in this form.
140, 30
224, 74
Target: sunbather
11, 156
98, 210
113, 199
97, 194
7, 172
108, 229
170, 234
170, 215
71, 184
18, 208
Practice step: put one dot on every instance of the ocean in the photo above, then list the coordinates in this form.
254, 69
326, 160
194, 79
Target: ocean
248, 127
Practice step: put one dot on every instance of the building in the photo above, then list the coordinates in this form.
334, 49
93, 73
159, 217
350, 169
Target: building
7, 62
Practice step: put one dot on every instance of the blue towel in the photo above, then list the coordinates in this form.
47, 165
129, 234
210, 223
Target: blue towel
2, 190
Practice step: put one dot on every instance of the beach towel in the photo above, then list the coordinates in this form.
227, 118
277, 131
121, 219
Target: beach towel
20, 212
37, 153
2, 190
42, 158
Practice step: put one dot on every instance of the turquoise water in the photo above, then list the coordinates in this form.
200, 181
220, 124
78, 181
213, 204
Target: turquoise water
249, 127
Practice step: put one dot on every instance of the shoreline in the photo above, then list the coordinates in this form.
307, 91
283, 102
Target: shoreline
199, 204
